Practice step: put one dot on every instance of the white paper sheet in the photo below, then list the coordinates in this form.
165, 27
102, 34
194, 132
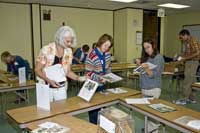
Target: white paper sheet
50, 127
48, 124
194, 124
107, 125
22, 75
55, 73
111, 77
117, 90
88, 89
137, 101
43, 96
139, 69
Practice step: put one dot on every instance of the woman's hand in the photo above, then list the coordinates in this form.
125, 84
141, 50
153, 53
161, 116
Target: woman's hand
54, 83
102, 80
145, 65
83, 78
138, 61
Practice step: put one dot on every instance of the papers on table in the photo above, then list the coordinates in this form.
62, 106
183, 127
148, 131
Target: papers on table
117, 90
194, 124
106, 124
184, 119
55, 73
50, 127
111, 77
139, 69
22, 75
88, 89
189, 121
162, 108
137, 101
43, 96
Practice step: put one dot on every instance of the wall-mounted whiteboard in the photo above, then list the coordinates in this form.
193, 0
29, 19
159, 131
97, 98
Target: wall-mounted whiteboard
194, 30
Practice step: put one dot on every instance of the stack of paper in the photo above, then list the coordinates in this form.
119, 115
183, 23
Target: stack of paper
184, 119
194, 124
189, 121
111, 77
162, 108
137, 101
55, 73
50, 127
117, 90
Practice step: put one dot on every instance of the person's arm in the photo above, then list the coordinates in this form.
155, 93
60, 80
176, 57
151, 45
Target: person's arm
77, 55
147, 70
159, 62
39, 72
72, 75
39, 66
77, 59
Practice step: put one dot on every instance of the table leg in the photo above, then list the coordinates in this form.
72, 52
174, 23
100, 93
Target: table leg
145, 124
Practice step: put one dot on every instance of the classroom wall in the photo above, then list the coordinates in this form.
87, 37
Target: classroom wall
120, 35
172, 26
134, 23
126, 23
15, 33
36, 30
89, 24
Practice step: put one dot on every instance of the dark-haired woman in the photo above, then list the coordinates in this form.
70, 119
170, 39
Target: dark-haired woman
150, 81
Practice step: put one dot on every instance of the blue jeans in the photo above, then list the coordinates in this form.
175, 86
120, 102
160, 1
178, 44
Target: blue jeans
93, 115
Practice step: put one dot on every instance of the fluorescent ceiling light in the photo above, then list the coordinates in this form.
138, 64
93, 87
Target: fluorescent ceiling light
125, 1
171, 5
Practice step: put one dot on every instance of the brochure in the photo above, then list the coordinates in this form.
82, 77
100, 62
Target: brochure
162, 108
50, 127
140, 70
117, 90
111, 77
137, 101
88, 89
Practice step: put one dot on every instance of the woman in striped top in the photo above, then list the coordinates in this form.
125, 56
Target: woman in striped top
97, 65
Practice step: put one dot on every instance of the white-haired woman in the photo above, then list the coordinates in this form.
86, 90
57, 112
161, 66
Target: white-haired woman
58, 52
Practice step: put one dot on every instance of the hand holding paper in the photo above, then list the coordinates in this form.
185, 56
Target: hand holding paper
55, 73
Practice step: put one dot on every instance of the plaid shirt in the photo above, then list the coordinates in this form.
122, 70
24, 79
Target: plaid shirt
192, 47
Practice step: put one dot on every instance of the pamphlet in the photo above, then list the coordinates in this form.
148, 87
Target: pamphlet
117, 90
111, 77
162, 108
88, 89
50, 127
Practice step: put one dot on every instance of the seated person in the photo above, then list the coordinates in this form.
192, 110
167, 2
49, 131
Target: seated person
80, 55
14, 62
